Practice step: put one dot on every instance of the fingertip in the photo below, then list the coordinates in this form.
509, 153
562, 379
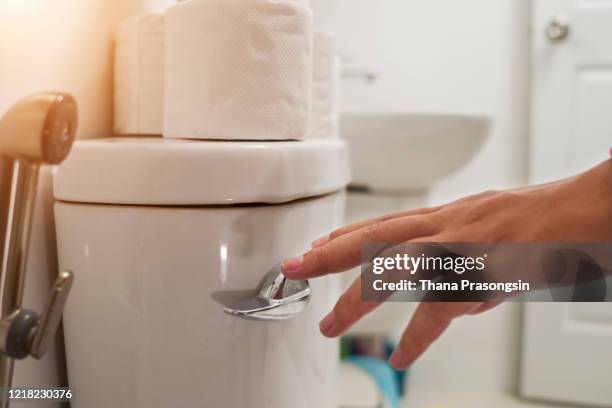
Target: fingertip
399, 360
327, 324
292, 267
332, 333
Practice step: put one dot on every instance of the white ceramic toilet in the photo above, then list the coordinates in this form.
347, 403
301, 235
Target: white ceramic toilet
161, 235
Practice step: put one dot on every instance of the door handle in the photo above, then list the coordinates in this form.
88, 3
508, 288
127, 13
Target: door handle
559, 28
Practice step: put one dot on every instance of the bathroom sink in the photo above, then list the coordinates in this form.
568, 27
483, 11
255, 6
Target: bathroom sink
402, 152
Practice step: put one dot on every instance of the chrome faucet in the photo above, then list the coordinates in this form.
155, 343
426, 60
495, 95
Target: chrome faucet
38, 130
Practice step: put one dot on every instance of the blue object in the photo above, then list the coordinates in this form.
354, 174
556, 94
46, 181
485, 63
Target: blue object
401, 376
385, 376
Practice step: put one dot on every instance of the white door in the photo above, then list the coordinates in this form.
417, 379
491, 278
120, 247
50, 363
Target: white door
567, 348
567, 353
572, 87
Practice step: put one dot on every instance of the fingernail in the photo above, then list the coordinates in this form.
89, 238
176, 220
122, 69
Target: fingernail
398, 360
320, 242
292, 266
327, 323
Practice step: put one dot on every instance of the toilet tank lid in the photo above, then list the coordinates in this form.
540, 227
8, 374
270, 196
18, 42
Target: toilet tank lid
157, 171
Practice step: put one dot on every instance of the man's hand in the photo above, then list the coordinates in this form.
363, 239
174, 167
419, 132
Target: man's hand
573, 210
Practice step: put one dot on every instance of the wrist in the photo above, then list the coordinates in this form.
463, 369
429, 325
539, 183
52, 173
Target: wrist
589, 202
599, 181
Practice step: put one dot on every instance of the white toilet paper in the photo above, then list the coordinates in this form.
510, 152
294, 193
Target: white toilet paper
139, 75
324, 120
238, 69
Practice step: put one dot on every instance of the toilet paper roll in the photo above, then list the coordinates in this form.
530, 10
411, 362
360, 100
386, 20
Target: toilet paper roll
324, 116
238, 69
139, 75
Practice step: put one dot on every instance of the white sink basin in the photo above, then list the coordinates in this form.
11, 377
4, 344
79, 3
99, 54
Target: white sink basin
401, 152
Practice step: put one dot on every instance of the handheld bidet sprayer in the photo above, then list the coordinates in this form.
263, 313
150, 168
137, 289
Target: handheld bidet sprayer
39, 129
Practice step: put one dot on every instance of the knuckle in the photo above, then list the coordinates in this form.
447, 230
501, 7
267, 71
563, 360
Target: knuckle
422, 226
371, 232
319, 257
480, 197
474, 211
338, 232
386, 217
428, 225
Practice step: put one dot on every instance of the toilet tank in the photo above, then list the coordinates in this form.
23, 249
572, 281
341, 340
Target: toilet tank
161, 236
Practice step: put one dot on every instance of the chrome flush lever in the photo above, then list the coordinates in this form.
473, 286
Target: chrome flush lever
278, 298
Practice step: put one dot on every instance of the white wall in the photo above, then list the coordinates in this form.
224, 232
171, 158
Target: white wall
64, 45
442, 55
448, 55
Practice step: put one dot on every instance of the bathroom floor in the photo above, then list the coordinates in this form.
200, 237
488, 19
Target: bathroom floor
428, 399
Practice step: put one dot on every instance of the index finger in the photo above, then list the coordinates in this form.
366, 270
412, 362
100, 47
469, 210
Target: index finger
344, 252
362, 224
